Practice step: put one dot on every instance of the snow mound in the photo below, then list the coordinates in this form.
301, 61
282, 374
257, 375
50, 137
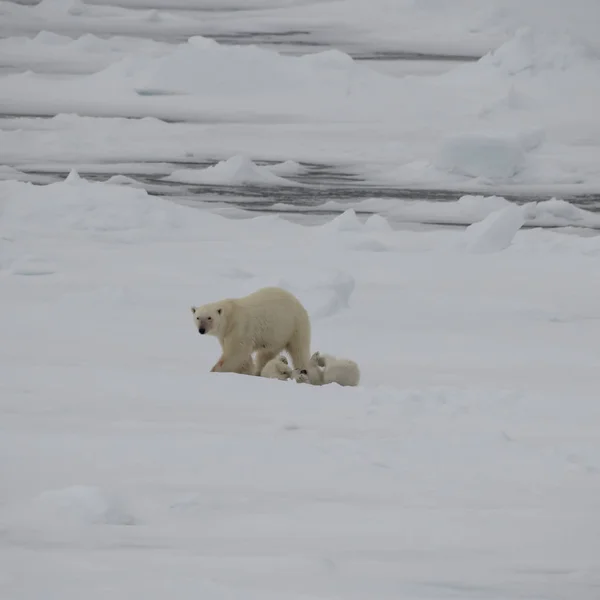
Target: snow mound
206, 68
10, 173
468, 209
532, 53
471, 209
289, 168
330, 58
49, 38
347, 221
495, 232
478, 207
52, 8
82, 505
496, 158
238, 170
77, 205
377, 223
124, 180
557, 213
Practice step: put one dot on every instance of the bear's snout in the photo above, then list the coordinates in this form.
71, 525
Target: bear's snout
201, 330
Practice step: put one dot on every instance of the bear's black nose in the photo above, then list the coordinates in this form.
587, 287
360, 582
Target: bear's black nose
202, 330
304, 372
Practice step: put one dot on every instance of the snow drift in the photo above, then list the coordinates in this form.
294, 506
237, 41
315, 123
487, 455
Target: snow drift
238, 170
471, 209
204, 67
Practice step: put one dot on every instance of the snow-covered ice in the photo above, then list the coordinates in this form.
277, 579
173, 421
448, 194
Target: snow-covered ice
467, 210
497, 231
524, 114
466, 463
494, 158
238, 170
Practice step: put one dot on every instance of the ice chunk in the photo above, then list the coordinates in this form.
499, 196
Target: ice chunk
377, 223
347, 221
288, 168
495, 232
532, 52
238, 170
476, 155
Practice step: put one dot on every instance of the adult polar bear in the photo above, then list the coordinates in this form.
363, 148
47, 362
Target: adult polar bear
267, 321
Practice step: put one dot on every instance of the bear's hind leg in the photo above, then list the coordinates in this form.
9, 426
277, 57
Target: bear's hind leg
248, 368
299, 350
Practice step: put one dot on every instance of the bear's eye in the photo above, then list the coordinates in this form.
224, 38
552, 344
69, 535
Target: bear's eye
210, 318
219, 311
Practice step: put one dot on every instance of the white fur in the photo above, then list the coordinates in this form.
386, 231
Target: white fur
248, 367
313, 374
300, 376
342, 371
277, 368
267, 321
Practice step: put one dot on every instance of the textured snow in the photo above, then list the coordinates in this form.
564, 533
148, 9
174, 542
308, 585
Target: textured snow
470, 209
463, 460
466, 463
523, 114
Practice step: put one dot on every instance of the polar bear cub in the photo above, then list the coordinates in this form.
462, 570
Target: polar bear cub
277, 368
324, 368
342, 371
300, 376
313, 373
267, 322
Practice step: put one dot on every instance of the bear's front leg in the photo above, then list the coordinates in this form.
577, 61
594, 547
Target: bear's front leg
217, 365
233, 360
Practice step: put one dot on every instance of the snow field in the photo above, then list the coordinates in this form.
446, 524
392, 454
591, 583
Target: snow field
465, 458
522, 115
466, 463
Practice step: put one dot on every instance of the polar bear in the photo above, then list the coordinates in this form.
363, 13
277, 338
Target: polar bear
248, 367
277, 368
337, 370
267, 321
324, 368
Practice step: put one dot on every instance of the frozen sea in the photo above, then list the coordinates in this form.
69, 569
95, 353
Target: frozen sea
423, 175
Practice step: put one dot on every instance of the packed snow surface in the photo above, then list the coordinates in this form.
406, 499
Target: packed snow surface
463, 461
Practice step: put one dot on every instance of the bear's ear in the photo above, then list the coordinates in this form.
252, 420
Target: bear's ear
193, 309
218, 311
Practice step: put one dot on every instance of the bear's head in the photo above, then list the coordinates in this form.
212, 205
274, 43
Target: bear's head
209, 318
316, 360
